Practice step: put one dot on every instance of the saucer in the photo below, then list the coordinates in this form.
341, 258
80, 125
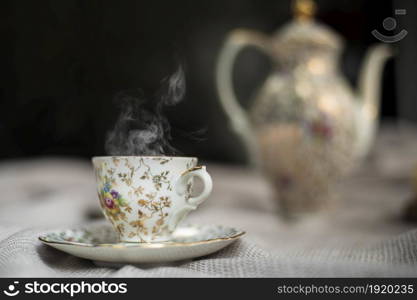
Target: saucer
100, 244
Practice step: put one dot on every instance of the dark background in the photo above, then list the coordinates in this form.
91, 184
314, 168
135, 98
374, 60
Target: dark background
63, 62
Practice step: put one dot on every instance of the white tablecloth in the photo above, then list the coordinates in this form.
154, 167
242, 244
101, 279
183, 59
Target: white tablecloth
365, 236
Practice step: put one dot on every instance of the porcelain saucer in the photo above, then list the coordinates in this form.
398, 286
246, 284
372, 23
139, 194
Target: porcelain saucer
100, 244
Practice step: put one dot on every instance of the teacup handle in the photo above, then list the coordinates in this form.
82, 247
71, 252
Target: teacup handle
193, 202
202, 173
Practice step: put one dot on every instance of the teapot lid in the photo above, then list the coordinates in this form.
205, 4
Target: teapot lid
304, 32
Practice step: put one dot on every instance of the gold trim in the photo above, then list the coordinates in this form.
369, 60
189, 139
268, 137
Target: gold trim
142, 156
145, 245
415, 180
192, 169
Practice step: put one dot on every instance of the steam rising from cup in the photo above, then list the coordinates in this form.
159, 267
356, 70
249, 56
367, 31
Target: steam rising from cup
141, 128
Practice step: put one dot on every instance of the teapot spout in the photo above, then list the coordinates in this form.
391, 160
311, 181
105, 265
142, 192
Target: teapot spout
369, 95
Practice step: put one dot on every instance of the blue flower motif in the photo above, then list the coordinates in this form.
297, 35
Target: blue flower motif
107, 187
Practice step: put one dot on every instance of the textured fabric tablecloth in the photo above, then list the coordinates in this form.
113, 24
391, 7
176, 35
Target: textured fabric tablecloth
364, 236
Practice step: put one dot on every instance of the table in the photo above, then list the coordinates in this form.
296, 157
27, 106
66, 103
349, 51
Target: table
365, 235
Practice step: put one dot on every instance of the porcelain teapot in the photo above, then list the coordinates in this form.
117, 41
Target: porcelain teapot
307, 126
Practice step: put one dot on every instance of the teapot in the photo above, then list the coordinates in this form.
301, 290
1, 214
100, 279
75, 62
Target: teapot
307, 127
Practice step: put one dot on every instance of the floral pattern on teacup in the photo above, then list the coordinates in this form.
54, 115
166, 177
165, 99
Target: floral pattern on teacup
113, 204
149, 198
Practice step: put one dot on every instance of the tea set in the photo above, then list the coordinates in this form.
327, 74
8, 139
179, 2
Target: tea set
306, 129
145, 198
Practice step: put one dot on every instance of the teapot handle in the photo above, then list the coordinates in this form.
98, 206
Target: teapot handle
235, 42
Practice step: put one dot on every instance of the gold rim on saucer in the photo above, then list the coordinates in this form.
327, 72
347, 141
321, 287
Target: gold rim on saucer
144, 245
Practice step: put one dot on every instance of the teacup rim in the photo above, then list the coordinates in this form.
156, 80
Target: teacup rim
142, 156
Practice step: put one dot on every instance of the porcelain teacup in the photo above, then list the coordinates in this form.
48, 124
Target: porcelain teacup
146, 197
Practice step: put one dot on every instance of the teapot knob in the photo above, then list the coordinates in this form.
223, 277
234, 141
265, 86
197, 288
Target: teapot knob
304, 10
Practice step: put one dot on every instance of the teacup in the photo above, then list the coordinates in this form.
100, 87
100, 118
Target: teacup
146, 197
